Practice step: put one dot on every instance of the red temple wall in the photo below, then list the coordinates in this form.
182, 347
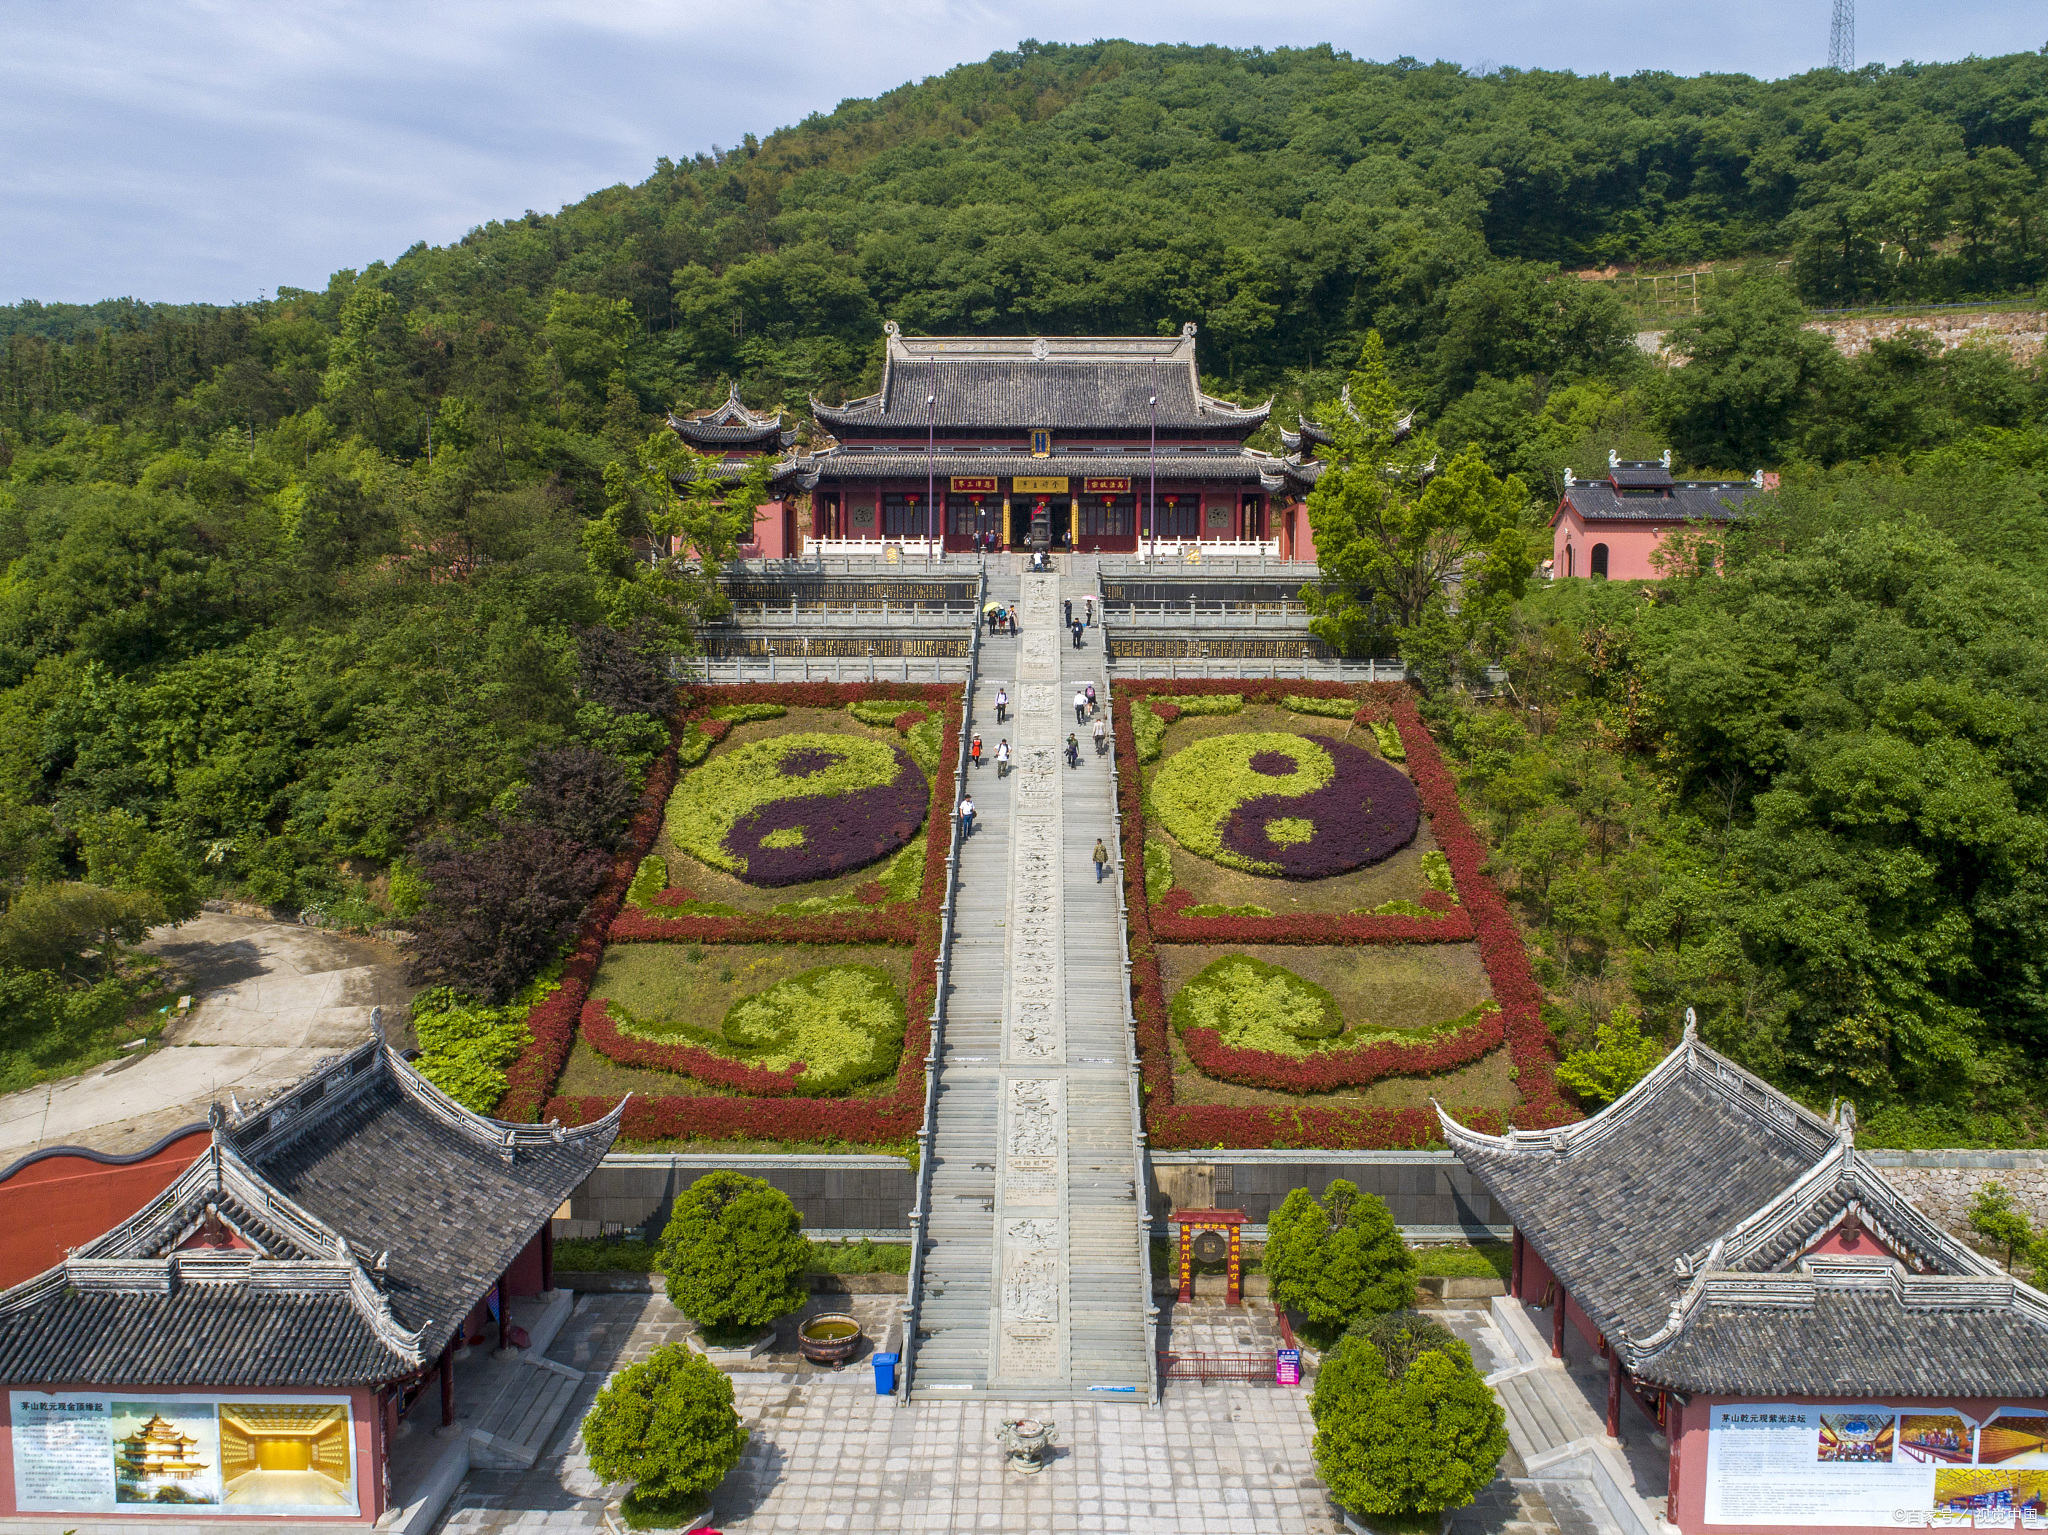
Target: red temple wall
61, 1201
368, 1468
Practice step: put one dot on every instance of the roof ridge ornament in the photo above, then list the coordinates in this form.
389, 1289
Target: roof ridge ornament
1692, 1022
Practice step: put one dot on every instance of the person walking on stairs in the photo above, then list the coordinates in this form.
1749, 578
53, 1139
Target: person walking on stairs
1080, 707
975, 754
1101, 857
1002, 705
1088, 610
966, 818
1073, 749
1077, 636
1089, 693
1070, 610
1101, 736
1003, 758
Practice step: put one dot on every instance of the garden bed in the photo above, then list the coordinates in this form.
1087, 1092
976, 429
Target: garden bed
1488, 1065
765, 1036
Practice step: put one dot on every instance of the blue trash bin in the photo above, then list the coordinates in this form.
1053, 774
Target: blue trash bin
885, 1374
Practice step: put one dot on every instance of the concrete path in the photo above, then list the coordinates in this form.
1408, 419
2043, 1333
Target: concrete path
270, 1000
1032, 1282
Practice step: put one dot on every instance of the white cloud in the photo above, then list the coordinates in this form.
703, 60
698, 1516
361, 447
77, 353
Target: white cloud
212, 148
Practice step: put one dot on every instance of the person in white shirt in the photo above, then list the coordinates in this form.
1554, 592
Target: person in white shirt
1080, 707
1002, 704
1002, 759
966, 817
1101, 736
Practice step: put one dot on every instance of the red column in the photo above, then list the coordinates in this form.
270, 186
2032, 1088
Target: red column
1674, 1432
1557, 1324
547, 1256
1236, 1293
1187, 1268
1515, 1266
447, 1385
1613, 1395
504, 1316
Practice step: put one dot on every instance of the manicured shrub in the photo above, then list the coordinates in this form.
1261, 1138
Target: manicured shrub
822, 1031
695, 745
734, 1253
583, 794
496, 913
741, 714
883, 713
1254, 1005
464, 1048
1216, 909
799, 807
668, 1426
1408, 1440
1436, 869
1158, 869
1399, 1337
1302, 807
1388, 736
1330, 708
1337, 1260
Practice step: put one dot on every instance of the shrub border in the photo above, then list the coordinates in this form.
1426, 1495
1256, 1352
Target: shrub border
1170, 1126
554, 1023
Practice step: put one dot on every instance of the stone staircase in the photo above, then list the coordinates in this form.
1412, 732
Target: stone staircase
1032, 1277
519, 1423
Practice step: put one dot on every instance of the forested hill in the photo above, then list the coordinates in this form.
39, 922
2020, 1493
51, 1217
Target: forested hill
1283, 200
328, 601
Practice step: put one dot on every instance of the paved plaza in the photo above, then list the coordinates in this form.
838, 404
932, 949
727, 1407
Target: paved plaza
827, 1454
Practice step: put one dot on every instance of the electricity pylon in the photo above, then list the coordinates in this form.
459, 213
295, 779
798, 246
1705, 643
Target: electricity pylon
1842, 39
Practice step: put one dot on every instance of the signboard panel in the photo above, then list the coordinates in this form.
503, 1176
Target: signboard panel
975, 484
1039, 485
78, 1452
898, 592
790, 648
1780, 1463
1130, 646
1287, 1367
1095, 486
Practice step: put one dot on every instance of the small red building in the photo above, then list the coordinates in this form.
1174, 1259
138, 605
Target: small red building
1612, 528
1818, 1352
244, 1343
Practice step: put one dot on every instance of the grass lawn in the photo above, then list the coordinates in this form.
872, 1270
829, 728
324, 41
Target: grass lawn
1485, 1084
705, 883
1398, 877
1482, 1260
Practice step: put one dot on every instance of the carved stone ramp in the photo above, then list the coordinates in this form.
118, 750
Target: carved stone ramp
1034, 1218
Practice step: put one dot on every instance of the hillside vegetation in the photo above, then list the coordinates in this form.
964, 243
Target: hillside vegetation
328, 600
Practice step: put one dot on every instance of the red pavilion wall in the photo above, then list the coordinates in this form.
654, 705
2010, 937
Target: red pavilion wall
66, 1198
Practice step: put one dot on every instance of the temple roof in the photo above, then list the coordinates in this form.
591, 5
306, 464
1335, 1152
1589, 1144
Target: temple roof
367, 1212
1683, 1220
732, 426
1020, 383
1244, 466
1668, 500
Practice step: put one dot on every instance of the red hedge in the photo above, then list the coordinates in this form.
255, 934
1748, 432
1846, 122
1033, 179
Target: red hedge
1483, 915
554, 1022
1329, 1071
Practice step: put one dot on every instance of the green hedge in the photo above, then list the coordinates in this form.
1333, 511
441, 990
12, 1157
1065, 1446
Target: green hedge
1436, 869
649, 880
1486, 1260
740, 714
1388, 735
694, 747
707, 802
923, 741
1329, 708
1150, 730
844, 1022
1256, 1006
1198, 788
1158, 869
1203, 703
883, 713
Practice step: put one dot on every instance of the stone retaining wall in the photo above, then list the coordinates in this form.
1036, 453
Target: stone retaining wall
1944, 1183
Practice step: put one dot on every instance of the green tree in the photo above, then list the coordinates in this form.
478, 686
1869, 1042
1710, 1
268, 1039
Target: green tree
2000, 1224
1750, 369
668, 1426
734, 1253
1406, 1437
1339, 1259
122, 853
57, 927
1393, 522
1619, 1058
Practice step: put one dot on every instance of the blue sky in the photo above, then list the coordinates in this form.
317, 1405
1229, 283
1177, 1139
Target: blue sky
214, 149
